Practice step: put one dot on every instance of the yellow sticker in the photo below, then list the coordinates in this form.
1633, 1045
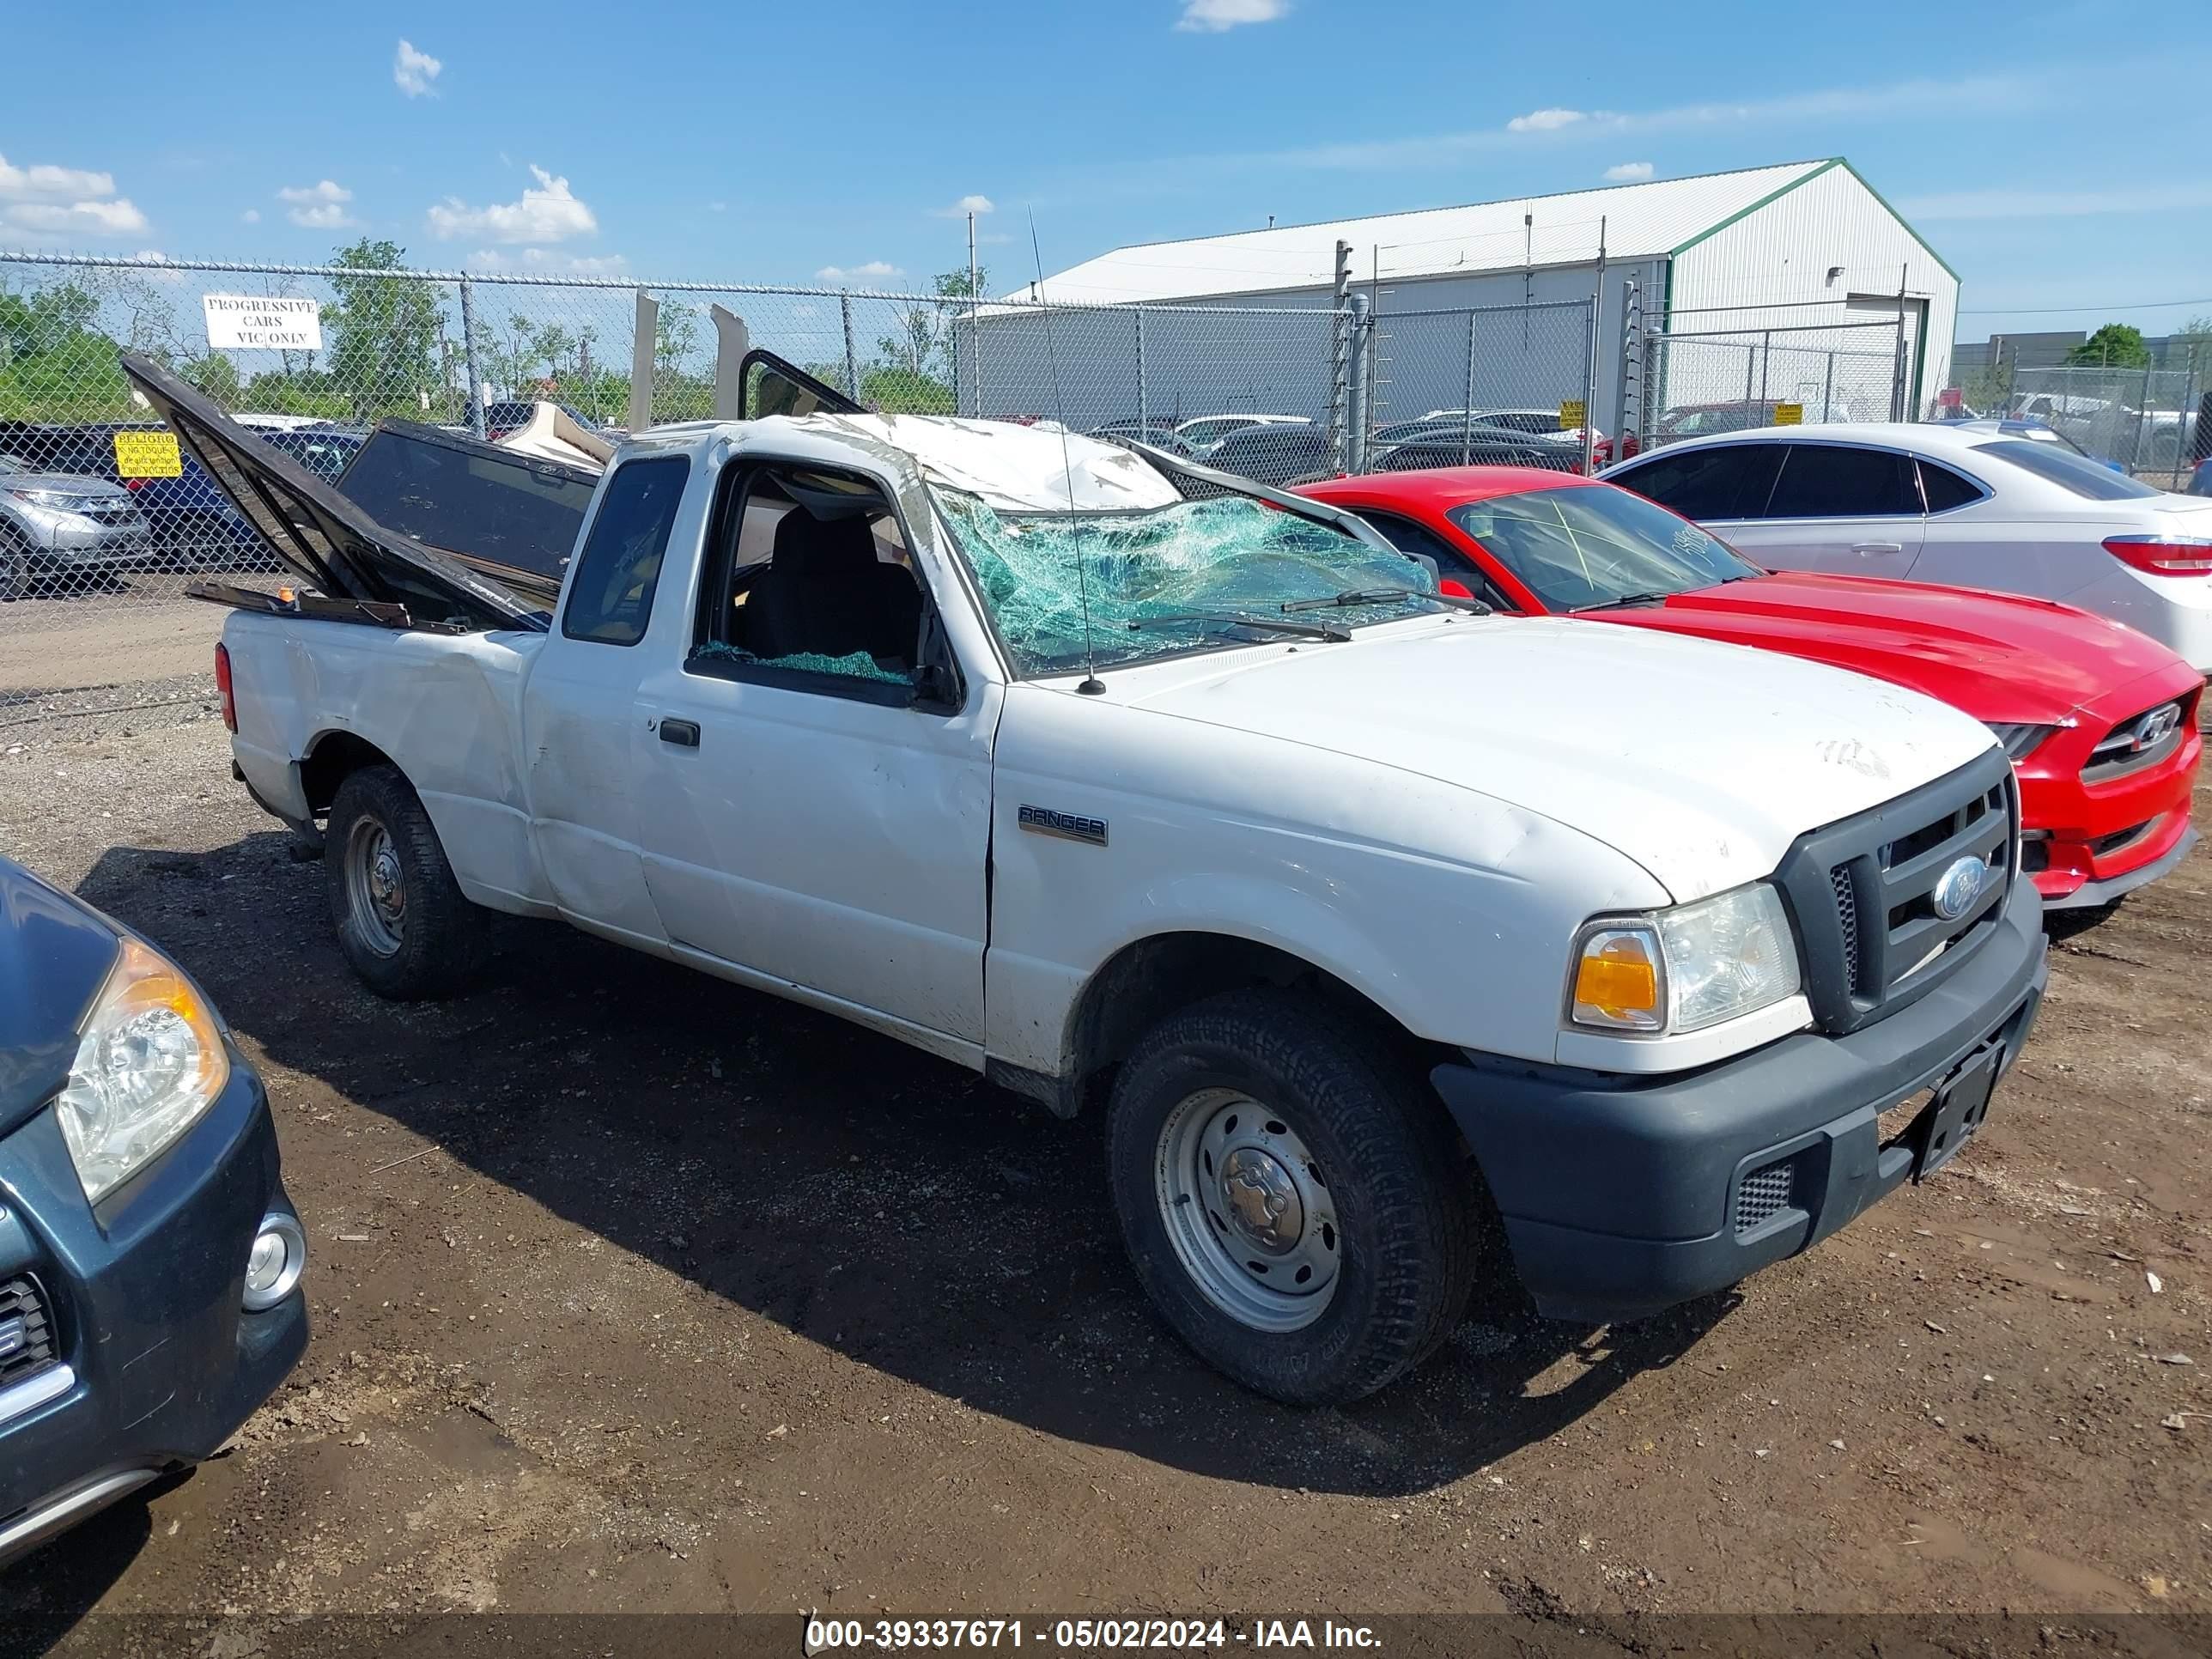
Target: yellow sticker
1789, 414
1573, 414
148, 455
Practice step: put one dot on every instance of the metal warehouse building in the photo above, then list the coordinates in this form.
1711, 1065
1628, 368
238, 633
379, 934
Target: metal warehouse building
1795, 282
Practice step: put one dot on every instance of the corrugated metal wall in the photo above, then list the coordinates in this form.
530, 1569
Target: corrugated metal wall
1782, 252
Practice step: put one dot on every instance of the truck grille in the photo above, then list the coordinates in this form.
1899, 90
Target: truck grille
1885, 904
27, 1331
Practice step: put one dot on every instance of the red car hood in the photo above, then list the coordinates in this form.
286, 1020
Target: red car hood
1997, 656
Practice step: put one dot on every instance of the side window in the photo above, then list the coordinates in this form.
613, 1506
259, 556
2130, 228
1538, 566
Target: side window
812, 589
1727, 481
611, 596
1833, 480
1419, 539
1943, 488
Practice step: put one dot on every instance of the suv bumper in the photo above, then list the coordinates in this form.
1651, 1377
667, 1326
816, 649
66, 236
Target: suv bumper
1624, 1196
156, 1361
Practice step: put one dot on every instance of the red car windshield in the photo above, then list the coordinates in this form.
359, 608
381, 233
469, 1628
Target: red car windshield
1596, 545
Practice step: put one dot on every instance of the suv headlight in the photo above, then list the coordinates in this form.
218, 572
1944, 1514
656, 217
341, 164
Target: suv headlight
150, 1060
1685, 969
54, 500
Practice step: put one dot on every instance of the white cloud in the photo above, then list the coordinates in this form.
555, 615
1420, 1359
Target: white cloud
718, 207
2058, 203
1628, 173
966, 205
1545, 120
31, 183
66, 199
252, 217
413, 71
115, 218
874, 271
549, 213
1218, 16
319, 206
539, 262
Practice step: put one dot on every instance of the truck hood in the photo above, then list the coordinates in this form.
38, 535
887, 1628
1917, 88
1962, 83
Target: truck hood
1998, 657
1701, 762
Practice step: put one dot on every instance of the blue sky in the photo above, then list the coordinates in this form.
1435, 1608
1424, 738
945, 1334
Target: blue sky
2059, 155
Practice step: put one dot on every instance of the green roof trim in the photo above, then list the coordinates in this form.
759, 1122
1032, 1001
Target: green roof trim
1774, 195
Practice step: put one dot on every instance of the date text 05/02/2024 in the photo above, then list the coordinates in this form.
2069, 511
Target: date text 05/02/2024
1082, 1635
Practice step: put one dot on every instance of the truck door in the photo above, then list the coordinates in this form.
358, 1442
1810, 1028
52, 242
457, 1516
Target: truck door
582, 730
815, 806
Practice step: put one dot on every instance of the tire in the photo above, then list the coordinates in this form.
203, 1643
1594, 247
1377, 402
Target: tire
402, 923
1387, 1206
14, 565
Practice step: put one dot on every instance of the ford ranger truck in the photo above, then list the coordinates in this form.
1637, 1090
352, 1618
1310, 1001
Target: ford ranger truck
1404, 946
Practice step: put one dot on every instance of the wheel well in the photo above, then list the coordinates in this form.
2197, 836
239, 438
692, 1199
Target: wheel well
334, 756
1146, 981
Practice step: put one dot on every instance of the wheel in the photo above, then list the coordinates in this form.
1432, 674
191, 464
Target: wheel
401, 920
14, 566
1294, 1200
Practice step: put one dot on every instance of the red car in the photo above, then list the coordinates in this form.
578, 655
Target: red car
2100, 720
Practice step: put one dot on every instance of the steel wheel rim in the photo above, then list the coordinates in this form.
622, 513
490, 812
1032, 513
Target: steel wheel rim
376, 887
1248, 1211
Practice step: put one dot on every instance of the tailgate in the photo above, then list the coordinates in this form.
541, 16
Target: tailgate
333, 544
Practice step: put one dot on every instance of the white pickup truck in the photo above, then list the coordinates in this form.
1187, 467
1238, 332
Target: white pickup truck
1403, 944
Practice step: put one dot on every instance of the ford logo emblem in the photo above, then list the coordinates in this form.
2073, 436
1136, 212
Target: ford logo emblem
1957, 887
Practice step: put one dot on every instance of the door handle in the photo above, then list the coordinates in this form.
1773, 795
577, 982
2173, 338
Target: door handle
684, 734
1871, 547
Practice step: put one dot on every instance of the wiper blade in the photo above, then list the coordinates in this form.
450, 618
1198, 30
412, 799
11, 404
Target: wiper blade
1625, 600
1265, 624
1352, 596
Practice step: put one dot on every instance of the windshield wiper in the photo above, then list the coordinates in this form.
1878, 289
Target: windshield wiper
1265, 624
1625, 600
1352, 596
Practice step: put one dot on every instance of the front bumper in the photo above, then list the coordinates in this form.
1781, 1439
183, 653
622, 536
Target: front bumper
1623, 1196
144, 1294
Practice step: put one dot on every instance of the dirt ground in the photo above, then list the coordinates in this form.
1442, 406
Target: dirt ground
635, 1290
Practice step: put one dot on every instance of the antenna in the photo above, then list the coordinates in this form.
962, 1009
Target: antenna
1092, 685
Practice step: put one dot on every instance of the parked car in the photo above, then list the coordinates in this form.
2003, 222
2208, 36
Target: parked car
2200, 482
1160, 434
1274, 453
151, 1261
1324, 943
1201, 431
1926, 502
1545, 422
62, 531
190, 522
2100, 720
1421, 445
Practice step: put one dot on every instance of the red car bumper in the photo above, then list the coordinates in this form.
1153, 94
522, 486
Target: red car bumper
2101, 814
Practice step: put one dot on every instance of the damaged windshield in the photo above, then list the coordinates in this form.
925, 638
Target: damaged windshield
1168, 579
1584, 549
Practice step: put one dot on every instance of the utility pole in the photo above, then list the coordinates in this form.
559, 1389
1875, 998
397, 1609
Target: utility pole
974, 326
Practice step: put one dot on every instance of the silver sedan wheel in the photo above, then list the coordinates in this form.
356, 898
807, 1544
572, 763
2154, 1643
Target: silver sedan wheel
376, 887
1248, 1210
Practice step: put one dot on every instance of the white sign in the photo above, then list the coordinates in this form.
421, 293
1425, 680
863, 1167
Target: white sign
262, 322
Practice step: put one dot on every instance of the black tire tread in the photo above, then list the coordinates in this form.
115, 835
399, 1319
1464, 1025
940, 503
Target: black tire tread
1389, 1129
445, 943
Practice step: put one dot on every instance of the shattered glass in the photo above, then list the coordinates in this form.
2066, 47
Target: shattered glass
1162, 580
860, 666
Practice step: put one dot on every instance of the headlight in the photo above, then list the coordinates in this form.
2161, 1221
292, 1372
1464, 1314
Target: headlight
2020, 741
150, 1059
1686, 968
55, 500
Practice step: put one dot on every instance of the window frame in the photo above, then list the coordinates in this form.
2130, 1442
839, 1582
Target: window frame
726, 523
575, 573
1918, 509
1729, 446
1981, 491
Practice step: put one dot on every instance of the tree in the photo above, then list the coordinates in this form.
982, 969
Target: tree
215, 376
385, 332
2115, 345
56, 363
918, 364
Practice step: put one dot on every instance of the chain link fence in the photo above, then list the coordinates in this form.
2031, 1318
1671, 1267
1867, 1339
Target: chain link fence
2152, 421
101, 514
1731, 380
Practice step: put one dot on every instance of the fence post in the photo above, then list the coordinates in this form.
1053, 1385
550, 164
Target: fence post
851, 358
1629, 368
1900, 385
1340, 439
645, 340
1467, 404
1589, 391
469, 358
1144, 400
1360, 345
1828, 392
